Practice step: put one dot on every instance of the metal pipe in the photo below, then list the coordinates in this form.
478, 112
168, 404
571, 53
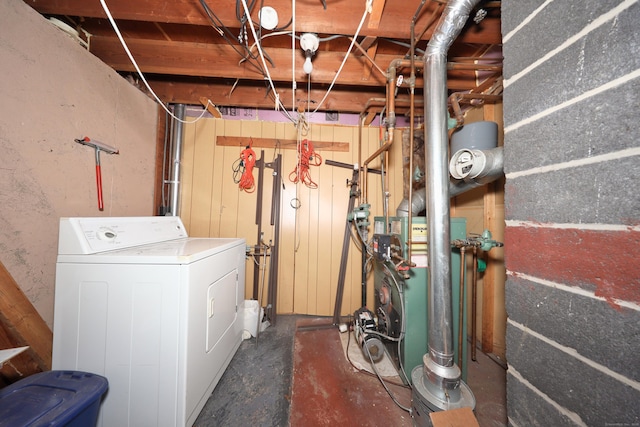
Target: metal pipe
474, 290
463, 267
366, 55
174, 208
391, 114
438, 205
492, 171
412, 83
455, 98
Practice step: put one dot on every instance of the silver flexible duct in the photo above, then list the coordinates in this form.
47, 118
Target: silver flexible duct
441, 351
493, 170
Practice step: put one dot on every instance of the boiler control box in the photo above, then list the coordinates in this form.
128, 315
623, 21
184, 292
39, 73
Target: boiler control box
382, 246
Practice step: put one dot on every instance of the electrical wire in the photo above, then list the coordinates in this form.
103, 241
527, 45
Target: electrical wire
244, 168
377, 373
402, 316
279, 105
135, 64
364, 371
384, 384
306, 157
367, 10
226, 34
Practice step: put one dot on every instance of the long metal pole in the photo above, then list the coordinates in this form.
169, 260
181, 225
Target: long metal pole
345, 247
443, 374
463, 268
179, 111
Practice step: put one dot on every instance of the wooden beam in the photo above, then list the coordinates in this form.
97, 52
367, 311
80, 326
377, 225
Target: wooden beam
19, 366
310, 16
22, 322
493, 305
489, 278
366, 43
246, 94
376, 14
211, 60
287, 144
368, 67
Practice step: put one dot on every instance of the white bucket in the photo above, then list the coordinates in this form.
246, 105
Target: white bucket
250, 310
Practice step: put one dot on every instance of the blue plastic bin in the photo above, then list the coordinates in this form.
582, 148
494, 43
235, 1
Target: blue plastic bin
53, 398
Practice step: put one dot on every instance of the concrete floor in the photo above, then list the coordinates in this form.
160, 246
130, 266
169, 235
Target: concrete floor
256, 389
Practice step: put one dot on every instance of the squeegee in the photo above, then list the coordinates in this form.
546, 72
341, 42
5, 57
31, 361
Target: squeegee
98, 146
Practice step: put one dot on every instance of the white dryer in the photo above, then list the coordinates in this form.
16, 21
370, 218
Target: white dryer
154, 311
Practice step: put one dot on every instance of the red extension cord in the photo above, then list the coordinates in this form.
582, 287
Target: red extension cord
306, 157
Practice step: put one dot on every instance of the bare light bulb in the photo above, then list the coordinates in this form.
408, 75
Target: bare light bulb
308, 66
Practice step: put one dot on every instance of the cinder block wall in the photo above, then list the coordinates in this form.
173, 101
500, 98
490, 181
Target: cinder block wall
572, 209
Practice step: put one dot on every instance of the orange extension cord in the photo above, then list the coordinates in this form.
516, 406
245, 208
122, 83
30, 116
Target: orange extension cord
246, 161
306, 157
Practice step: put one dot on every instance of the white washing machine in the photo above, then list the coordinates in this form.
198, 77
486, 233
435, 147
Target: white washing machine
151, 309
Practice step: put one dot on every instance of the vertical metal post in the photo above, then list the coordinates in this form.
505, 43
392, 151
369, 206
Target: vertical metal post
174, 208
353, 193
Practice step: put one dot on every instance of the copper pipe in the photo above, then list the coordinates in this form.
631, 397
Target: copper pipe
463, 267
436, 12
477, 67
366, 55
474, 287
391, 114
455, 98
386, 182
412, 82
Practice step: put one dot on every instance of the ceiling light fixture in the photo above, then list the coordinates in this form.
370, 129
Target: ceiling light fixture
309, 44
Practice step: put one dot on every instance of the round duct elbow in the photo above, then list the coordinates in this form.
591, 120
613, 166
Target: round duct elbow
417, 205
469, 164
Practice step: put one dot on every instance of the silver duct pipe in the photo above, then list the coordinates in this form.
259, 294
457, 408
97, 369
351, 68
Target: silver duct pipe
491, 171
176, 158
453, 19
441, 384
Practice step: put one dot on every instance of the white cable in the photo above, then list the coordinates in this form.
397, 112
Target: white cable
135, 64
293, 56
402, 316
265, 36
279, 104
367, 9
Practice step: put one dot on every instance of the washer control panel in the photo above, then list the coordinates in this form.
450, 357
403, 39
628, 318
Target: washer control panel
98, 234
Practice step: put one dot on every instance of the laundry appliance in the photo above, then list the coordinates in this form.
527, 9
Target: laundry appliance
153, 310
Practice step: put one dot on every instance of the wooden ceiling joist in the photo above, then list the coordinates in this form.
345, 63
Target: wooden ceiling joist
179, 42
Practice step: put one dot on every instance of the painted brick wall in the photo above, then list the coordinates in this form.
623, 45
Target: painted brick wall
572, 209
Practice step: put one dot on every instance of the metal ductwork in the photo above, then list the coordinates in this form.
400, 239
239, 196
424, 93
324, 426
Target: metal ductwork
438, 385
176, 158
490, 164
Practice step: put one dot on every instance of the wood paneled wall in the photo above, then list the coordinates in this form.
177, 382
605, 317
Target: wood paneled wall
311, 238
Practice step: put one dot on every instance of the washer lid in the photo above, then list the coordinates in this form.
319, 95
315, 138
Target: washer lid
180, 251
